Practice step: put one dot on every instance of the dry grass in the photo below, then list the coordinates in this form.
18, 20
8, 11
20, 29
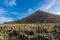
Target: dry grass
28, 29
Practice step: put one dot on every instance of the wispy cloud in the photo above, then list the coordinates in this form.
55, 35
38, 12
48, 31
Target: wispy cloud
5, 19
57, 13
15, 13
2, 11
29, 10
47, 6
10, 2
50, 5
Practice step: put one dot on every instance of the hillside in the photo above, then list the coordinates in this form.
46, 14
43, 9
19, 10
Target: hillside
40, 17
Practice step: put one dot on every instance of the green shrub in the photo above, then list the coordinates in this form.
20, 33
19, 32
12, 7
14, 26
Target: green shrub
1, 31
6, 38
52, 38
43, 34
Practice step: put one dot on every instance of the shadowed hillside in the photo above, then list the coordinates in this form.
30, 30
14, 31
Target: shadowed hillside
40, 17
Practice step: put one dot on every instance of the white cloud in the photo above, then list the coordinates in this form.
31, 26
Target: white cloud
2, 10
15, 13
30, 10
47, 6
5, 19
57, 13
2, 17
50, 5
10, 2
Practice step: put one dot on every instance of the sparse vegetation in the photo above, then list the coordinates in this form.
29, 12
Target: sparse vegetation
30, 31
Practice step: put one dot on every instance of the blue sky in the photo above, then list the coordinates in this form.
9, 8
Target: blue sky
11, 10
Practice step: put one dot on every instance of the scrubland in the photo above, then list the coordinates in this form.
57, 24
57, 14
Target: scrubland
42, 31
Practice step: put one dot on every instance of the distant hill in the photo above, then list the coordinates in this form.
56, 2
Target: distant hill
40, 17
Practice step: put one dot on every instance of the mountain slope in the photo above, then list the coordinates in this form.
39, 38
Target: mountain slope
40, 17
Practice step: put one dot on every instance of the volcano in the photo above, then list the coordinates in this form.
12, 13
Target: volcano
40, 17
